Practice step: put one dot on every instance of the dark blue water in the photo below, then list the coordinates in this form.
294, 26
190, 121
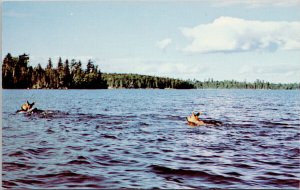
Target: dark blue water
140, 139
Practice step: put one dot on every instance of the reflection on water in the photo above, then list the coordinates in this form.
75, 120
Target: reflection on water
140, 139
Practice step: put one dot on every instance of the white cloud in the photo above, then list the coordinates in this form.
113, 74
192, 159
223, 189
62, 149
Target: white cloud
275, 69
163, 44
256, 3
167, 68
228, 34
277, 73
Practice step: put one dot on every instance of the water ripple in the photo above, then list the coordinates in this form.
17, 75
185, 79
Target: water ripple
140, 139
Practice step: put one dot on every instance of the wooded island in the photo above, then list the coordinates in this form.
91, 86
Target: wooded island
18, 74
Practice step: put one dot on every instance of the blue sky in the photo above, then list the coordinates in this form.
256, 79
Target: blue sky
224, 40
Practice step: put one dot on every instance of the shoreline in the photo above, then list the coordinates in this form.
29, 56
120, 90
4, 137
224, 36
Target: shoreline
142, 89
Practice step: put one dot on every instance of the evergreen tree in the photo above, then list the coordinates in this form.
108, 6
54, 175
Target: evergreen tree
16, 73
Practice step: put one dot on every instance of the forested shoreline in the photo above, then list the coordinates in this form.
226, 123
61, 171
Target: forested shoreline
232, 84
115, 80
18, 74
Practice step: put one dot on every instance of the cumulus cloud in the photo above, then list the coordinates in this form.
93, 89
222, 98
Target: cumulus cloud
228, 34
163, 44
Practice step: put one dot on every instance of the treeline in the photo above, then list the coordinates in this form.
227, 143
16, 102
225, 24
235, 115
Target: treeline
232, 84
17, 74
144, 81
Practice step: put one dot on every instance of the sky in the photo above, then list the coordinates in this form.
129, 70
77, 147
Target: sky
220, 39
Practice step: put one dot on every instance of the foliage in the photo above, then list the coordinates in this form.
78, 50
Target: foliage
144, 81
229, 84
17, 74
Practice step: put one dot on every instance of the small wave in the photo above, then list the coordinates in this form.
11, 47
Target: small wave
167, 150
205, 162
75, 147
270, 123
66, 173
8, 184
268, 162
117, 162
248, 125
109, 136
17, 154
279, 182
193, 173
79, 161
64, 177
102, 157
39, 151
234, 174
243, 166
279, 174
286, 182
161, 139
184, 158
29, 181
295, 152
10, 166
142, 124
151, 153
50, 131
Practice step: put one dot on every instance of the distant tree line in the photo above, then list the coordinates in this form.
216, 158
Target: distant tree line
18, 74
144, 81
229, 84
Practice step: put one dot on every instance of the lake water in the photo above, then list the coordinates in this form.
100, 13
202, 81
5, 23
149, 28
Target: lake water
140, 139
